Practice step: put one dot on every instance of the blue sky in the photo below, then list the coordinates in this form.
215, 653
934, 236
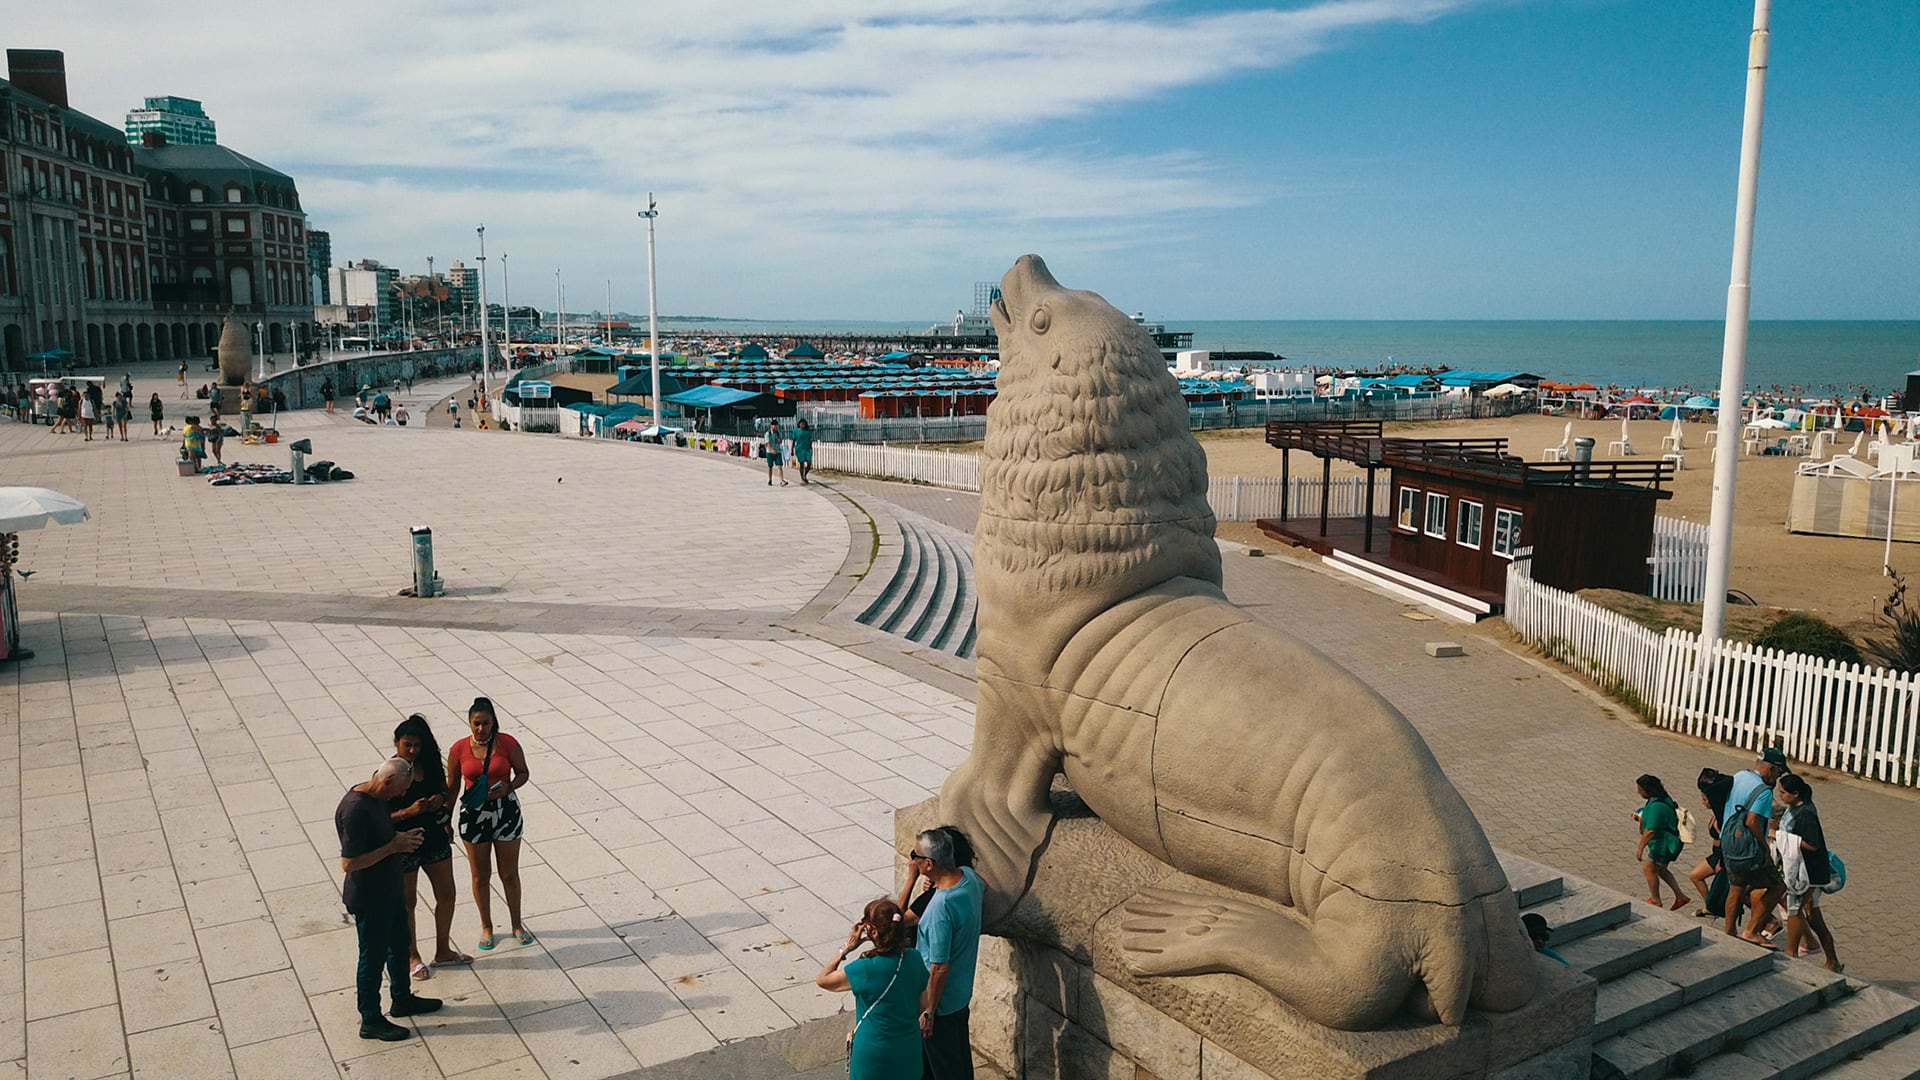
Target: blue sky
873, 158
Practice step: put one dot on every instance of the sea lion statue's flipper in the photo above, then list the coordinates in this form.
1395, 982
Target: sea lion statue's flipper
998, 798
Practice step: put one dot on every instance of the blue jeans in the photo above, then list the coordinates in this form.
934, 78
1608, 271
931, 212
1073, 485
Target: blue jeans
383, 943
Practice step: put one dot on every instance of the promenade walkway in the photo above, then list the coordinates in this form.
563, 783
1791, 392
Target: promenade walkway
1547, 764
711, 793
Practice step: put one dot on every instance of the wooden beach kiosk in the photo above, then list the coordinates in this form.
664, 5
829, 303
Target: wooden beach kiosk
1462, 510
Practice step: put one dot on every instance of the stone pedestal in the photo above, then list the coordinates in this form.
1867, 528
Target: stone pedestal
1055, 999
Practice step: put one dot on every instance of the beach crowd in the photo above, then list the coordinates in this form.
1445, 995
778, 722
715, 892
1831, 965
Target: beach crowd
912, 982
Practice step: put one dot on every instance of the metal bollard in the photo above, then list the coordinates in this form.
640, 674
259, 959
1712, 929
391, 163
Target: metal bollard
425, 582
299, 468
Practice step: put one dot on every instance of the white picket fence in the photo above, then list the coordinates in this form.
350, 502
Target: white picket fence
1233, 498
1845, 717
1677, 569
900, 463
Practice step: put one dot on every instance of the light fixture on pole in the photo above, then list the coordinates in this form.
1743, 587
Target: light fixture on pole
486, 361
506, 312
559, 315
1733, 355
653, 315
433, 283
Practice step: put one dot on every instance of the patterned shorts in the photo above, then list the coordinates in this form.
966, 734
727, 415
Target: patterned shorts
496, 820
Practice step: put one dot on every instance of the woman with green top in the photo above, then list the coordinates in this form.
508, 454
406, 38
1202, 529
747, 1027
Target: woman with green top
803, 449
1660, 844
776, 457
886, 984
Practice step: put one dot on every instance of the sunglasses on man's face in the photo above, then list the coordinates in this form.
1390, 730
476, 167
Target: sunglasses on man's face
912, 855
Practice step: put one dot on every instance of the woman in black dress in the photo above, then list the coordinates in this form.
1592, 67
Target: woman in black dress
427, 806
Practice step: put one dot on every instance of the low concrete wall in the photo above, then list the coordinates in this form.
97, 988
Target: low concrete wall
350, 373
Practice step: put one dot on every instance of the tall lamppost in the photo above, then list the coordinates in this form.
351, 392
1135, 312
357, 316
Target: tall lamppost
434, 284
1733, 355
653, 314
506, 311
559, 315
486, 360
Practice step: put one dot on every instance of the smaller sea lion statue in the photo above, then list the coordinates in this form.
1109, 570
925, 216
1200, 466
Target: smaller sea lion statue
1224, 748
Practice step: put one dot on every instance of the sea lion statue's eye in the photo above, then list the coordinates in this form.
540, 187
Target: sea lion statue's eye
1040, 320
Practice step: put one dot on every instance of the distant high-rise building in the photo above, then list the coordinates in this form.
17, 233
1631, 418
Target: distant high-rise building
463, 287
181, 120
319, 258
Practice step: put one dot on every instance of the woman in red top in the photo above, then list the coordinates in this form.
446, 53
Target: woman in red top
491, 827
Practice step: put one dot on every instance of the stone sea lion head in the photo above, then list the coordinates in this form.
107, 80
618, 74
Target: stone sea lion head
1090, 477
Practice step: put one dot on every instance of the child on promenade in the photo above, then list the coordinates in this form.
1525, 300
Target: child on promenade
1659, 822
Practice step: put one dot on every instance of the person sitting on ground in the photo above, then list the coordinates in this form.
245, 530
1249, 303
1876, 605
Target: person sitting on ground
1659, 822
1807, 867
1540, 933
887, 983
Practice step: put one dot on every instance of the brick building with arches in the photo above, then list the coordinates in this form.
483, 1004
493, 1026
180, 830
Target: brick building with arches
117, 253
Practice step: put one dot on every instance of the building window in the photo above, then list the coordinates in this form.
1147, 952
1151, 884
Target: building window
1466, 528
113, 198
242, 282
1436, 515
1409, 502
236, 225
196, 193
197, 224
234, 194
1506, 532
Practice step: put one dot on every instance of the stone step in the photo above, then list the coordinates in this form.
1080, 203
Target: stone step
920, 588
1681, 1040
1803, 1047
1582, 909
1628, 947
955, 610
1712, 964
1532, 882
945, 589
1896, 1060
888, 603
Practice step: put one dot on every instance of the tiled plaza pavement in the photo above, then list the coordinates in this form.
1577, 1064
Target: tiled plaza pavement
707, 812
1549, 766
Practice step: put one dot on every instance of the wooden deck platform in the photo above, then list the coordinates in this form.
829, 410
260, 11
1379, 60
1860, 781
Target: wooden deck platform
1348, 535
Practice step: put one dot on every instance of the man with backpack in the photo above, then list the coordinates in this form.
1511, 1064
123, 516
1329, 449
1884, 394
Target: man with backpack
1745, 850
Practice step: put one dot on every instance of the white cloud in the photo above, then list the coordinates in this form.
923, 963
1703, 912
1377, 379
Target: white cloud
838, 158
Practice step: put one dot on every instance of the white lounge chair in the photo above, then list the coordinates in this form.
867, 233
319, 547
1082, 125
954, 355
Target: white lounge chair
1623, 446
1559, 453
1674, 440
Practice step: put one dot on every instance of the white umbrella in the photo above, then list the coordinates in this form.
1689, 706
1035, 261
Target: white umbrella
25, 508
1505, 390
655, 431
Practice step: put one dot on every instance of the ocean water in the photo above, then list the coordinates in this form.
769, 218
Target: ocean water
1794, 356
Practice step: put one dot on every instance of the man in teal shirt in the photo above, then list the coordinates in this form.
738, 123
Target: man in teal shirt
950, 944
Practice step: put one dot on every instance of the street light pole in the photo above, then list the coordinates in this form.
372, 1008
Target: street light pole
1733, 356
486, 360
506, 311
653, 314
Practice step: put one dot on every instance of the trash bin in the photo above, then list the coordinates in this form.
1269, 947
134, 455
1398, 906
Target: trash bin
425, 581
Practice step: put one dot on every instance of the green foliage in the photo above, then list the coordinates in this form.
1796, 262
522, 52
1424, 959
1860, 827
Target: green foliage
1799, 632
1900, 648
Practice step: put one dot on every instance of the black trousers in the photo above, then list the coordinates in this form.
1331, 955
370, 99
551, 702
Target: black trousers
383, 944
947, 1054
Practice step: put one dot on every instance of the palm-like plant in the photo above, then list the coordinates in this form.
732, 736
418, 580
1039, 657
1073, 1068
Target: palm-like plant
1900, 648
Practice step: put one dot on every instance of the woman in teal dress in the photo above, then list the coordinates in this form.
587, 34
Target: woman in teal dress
803, 449
886, 984
1659, 822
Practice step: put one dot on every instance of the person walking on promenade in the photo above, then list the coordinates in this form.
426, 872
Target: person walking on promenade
122, 413
886, 984
126, 384
382, 406
327, 392
428, 806
1806, 867
193, 442
491, 764
950, 944
216, 440
180, 377
89, 412
1710, 877
156, 411
1744, 818
803, 449
774, 455
370, 853
1659, 822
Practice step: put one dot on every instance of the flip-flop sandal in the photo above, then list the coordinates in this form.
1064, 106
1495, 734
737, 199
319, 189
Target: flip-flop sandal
524, 937
1680, 903
458, 958
486, 942
421, 970
1762, 944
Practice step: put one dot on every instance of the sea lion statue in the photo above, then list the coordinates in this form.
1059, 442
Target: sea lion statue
234, 353
1226, 749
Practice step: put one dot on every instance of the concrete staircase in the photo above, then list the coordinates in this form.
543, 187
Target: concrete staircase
929, 598
1438, 599
1679, 998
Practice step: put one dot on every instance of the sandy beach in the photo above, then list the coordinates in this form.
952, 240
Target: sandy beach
1837, 578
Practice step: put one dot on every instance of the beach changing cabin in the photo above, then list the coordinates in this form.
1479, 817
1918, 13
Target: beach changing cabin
1456, 513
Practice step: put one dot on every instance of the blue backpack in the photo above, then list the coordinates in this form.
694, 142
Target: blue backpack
1839, 879
1741, 851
